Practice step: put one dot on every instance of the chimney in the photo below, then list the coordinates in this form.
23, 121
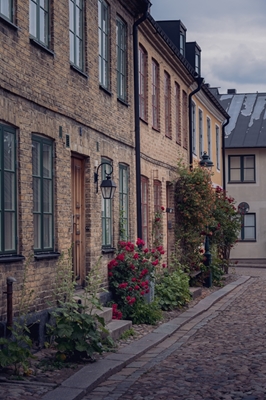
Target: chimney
231, 91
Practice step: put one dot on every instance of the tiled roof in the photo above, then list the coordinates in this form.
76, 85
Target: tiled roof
247, 126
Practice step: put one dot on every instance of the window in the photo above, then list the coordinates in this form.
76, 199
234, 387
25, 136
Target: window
121, 35
155, 94
8, 213
6, 9
144, 208
182, 44
103, 23
107, 223
209, 138
39, 21
201, 145
167, 105
123, 201
197, 63
157, 230
142, 83
242, 168
193, 122
177, 110
42, 170
76, 33
185, 119
218, 148
248, 227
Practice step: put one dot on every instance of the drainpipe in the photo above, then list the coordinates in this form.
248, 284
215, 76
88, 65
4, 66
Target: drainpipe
137, 123
199, 82
223, 151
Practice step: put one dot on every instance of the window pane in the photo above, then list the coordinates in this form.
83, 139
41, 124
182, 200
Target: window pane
248, 162
47, 231
9, 151
249, 175
71, 40
249, 233
43, 26
71, 16
235, 162
47, 196
33, 19
36, 195
5, 8
235, 175
9, 231
9, 191
249, 220
47, 161
36, 158
37, 230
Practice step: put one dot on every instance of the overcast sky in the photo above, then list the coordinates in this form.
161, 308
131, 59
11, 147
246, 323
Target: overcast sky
232, 37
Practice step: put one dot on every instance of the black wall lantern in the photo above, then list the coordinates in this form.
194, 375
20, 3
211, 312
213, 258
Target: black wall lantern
107, 186
205, 161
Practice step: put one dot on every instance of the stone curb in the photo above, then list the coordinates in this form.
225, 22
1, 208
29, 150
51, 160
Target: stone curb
90, 376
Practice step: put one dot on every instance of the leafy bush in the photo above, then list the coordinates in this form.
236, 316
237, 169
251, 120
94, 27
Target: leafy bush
172, 289
144, 313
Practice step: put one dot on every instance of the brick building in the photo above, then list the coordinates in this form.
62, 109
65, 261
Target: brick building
67, 105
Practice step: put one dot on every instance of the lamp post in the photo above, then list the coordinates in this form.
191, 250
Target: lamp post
207, 163
107, 186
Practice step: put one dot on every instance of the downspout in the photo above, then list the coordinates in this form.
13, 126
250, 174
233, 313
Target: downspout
199, 82
223, 151
137, 122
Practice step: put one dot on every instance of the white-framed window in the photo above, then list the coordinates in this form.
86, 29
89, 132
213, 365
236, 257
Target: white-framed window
209, 138
6, 9
167, 104
121, 54
142, 83
193, 123
177, 114
76, 33
155, 94
201, 139
103, 36
123, 202
218, 147
39, 21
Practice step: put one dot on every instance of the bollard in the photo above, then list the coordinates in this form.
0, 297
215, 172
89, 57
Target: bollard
9, 296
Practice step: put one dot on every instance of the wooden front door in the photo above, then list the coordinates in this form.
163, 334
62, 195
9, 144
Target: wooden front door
78, 211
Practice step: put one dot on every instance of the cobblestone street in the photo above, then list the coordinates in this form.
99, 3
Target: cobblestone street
220, 355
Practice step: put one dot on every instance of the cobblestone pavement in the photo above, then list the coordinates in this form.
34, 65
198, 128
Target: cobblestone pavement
219, 355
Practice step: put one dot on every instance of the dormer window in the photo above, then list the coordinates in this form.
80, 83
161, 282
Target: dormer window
197, 64
182, 43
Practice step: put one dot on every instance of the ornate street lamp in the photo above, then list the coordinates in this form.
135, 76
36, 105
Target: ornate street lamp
107, 186
205, 160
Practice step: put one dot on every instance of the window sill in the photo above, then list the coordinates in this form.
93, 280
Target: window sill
143, 120
122, 102
11, 258
36, 43
108, 250
155, 129
168, 137
43, 256
240, 182
247, 241
8, 22
104, 89
77, 69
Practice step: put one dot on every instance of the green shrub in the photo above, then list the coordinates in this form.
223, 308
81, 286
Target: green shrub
172, 289
144, 313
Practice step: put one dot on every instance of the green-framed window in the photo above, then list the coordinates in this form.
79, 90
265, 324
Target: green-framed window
145, 208
123, 201
248, 227
103, 32
121, 54
39, 21
76, 33
42, 170
6, 9
107, 219
8, 211
241, 168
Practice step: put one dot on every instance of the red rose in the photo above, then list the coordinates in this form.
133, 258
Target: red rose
137, 287
140, 242
162, 208
145, 250
142, 292
136, 256
155, 262
110, 274
164, 265
121, 257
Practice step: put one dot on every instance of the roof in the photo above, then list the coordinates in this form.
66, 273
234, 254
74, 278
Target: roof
247, 125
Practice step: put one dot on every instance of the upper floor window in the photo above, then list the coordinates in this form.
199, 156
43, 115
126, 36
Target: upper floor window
6, 9
182, 44
123, 202
248, 227
142, 83
197, 63
107, 217
177, 114
121, 37
144, 208
241, 168
193, 122
39, 21
42, 173
218, 147
8, 212
209, 137
155, 94
76, 33
185, 119
167, 104
103, 31
201, 144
